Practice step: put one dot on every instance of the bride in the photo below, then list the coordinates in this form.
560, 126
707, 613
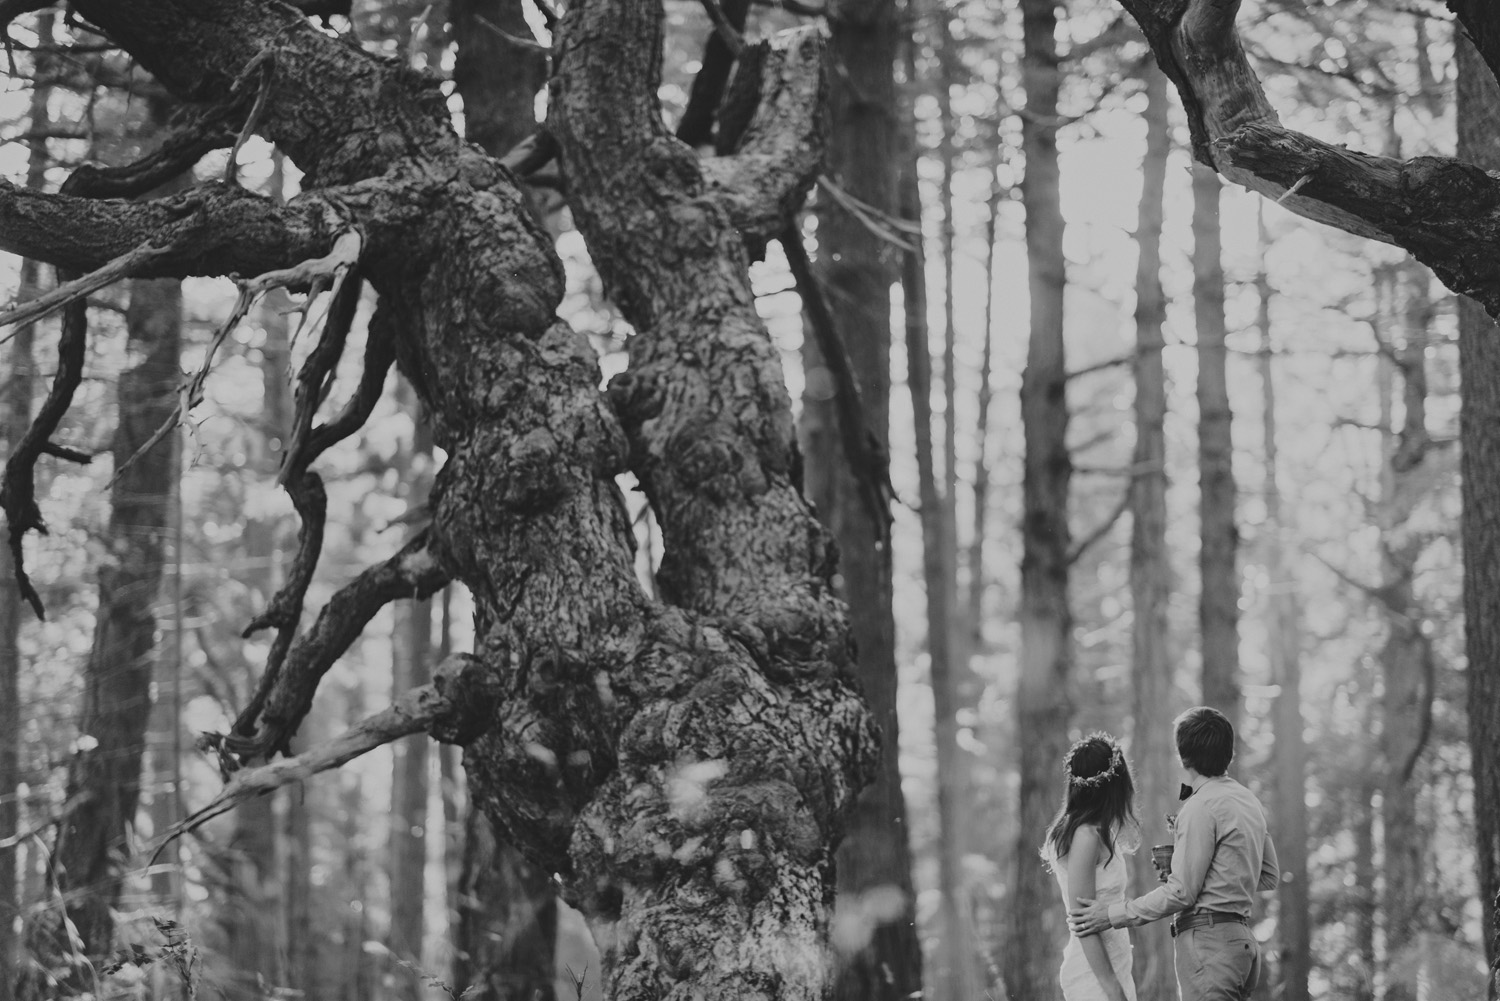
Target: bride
1095, 824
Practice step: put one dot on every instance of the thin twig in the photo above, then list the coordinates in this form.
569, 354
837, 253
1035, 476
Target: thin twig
69, 808
414, 712
1100, 366
1084, 544
123, 266
866, 455
879, 222
190, 393
725, 29
529, 44
265, 63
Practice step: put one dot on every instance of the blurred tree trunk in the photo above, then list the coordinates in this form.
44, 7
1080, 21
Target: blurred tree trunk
1293, 931
451, 777
937, 557
957, 977
255, 917
301, 942
1365, 904
973, 605
12, 608
104, 776
1150, 570
411, 662
356, 981
507, 921
1218, 608
1044, 706
1479, 363
496, 885
1403, 310
881, 958
18, 385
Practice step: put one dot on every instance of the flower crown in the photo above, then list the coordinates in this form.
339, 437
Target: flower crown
1116, 759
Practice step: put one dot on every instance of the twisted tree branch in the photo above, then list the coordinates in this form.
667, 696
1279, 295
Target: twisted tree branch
286, 688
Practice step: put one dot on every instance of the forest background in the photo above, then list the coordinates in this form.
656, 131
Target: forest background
1256, 441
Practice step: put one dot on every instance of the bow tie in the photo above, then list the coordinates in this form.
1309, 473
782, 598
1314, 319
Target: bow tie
1184, 791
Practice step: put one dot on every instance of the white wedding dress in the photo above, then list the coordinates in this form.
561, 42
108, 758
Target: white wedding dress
1077, 978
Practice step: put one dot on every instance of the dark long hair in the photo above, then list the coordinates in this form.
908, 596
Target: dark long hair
1108, 804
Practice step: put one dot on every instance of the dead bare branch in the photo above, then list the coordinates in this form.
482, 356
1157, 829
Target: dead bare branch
1084, 544
286, 688
123, 266
444, 702
18, 485
867, 457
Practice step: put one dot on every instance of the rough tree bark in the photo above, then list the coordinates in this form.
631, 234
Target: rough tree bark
506, 908
739, 909
1293, 920
687, 765
1218, 557
1479, 365
1151, 746
880, 956
1044, 705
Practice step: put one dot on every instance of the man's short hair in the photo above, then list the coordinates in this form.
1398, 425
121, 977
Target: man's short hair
1205, 740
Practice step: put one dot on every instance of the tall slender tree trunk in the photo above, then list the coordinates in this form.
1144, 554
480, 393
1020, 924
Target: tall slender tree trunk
1405, 658
1479, 363
506, 917
411, 659
1293, 927
105, 773
301, 940
255, 920
1044, 706
1365, 899
17, 404
973, 618
1150, 570
12, 609
880, 957
937, 563
1218, 606
957, 975
356, 980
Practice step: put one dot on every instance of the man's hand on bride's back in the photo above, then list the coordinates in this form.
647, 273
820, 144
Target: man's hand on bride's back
1087, 917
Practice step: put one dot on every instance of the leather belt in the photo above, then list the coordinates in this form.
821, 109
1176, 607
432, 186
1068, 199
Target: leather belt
1201, 919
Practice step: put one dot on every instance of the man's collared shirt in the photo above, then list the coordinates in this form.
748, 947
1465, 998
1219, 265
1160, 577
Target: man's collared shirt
1222, 854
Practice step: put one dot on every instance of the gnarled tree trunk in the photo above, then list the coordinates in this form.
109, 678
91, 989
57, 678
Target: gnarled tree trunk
684, 765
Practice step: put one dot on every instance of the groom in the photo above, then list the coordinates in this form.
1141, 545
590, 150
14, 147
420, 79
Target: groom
1222, 854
